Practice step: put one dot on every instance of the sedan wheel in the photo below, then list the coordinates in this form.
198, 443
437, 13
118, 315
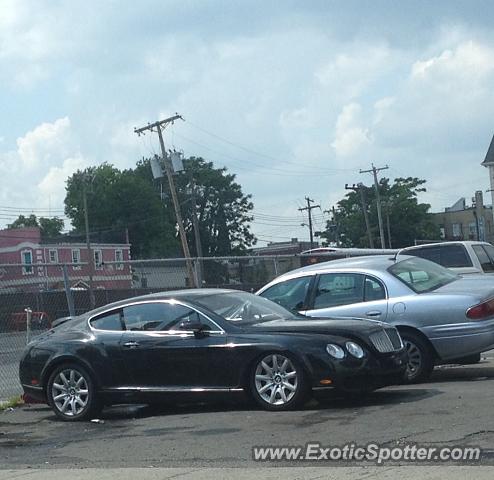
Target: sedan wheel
278, 382
71, 393
420, 358
414, 359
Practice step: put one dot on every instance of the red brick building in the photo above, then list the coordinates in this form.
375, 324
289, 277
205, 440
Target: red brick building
42, 262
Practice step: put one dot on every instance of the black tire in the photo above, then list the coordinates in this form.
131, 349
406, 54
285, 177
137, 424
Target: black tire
289, 386
75, 398
420, 360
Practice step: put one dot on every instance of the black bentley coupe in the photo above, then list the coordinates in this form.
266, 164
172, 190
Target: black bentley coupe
193, 342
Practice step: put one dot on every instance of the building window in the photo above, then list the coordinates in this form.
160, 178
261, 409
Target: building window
98, 259
456, 230
76, 258
119, 258
472, 230
27, 259
53, 255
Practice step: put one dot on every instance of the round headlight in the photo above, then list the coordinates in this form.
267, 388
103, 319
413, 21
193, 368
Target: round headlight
335, 351
354, 349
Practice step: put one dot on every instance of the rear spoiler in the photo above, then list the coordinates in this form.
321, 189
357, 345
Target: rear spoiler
60, 321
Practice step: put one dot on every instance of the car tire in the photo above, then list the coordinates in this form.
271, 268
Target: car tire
71, 393
420, 358
278, 382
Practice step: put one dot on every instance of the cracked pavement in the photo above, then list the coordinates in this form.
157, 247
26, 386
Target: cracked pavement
454, 408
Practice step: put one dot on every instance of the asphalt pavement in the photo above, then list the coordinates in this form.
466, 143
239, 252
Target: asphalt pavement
453, 409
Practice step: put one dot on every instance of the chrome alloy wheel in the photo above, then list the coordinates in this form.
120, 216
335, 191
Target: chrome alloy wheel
70, 392
414, 364
276, 379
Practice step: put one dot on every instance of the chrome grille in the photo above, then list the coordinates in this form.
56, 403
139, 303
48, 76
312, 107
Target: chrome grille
395, 338
387, 340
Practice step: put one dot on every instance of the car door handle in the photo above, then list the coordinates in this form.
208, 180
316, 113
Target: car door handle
131, 344
374, 313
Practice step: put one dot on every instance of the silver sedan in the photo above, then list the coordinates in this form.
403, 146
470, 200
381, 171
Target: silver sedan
442, 317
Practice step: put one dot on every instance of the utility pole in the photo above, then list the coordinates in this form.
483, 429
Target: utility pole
90, 256
374, 171
335, 226
159, 126
197, 234
309, 209
360, 188
388, 204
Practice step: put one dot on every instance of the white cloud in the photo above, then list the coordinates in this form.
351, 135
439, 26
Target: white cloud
313, 88
51, 187
350, 73
34, 174
298, 117
46, 141
350, 135
469, 61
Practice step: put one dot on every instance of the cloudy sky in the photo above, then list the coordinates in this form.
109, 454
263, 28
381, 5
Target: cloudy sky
294, 97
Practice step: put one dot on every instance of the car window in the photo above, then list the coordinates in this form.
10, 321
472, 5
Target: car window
490, 251
484, 259
244, 308
449, 256
335, 289
374, 290
421, 275
108, 321
290, 294
429, 253
161, 317
453, 256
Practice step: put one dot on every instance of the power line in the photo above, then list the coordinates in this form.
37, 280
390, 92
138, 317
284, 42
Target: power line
249, 150
240, 164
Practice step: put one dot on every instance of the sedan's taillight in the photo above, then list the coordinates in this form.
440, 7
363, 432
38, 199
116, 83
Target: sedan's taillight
482, 310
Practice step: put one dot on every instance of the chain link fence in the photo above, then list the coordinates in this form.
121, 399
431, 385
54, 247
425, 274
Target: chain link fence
32, 296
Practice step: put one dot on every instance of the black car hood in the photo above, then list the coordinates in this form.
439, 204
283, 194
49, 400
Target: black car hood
336, 326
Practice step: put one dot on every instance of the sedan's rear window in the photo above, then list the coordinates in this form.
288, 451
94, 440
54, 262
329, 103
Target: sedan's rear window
421, 275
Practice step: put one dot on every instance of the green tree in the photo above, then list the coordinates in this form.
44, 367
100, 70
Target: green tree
223, 211
50, 227
23, 222
408, 218
132, 199
119, 200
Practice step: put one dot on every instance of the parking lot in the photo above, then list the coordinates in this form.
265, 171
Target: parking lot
453, 409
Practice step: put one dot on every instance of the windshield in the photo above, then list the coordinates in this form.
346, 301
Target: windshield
422, 275
244, 308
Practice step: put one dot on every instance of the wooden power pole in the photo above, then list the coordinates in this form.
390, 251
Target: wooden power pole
309, 209
159, 126
374, 171
90, 255
360, 190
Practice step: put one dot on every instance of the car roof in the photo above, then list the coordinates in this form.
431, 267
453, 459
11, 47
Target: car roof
184, 294
445, 244
371, 262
